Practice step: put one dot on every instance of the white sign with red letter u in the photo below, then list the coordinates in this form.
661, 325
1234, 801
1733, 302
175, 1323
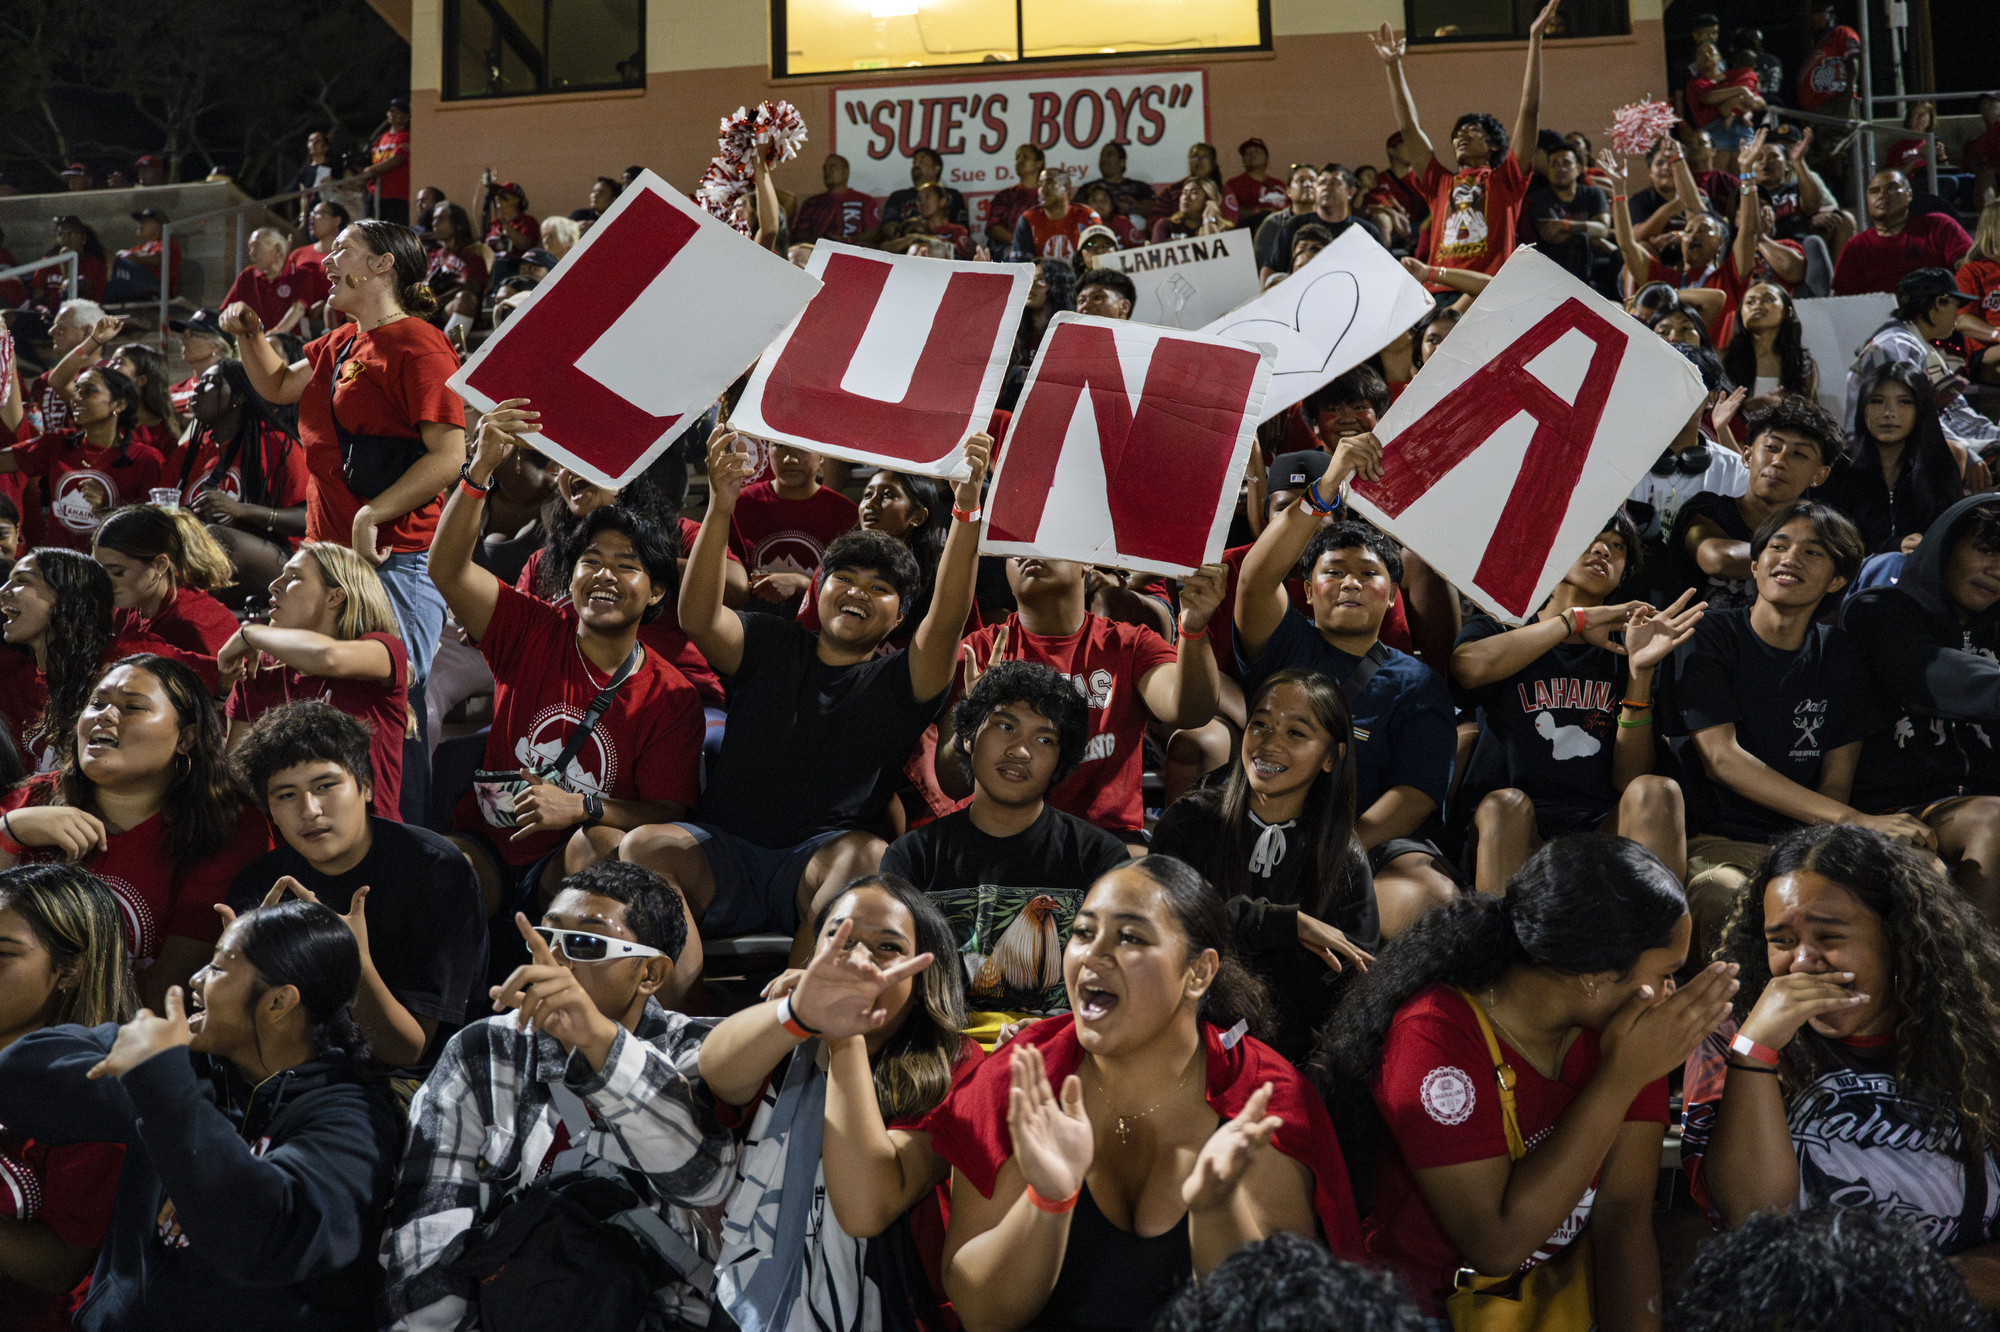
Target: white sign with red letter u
896, 362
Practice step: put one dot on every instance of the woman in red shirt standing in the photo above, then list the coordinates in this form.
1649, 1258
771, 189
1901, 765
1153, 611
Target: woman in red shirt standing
1571, 973
375, 391
163, 565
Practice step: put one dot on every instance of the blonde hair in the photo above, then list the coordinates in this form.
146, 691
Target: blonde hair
1986, 236
147, 531
367, 609
559, 234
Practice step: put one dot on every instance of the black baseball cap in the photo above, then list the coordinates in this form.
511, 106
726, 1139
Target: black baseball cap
1925, 285
1295, 471
207, 323
540, 258
153, 213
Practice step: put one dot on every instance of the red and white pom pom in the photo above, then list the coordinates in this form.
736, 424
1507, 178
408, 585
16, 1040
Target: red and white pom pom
1636, 128
721, 186
779, 130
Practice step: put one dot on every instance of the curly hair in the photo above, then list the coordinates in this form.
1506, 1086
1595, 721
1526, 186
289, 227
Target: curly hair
200, 807
1802, 416
78, 636
1496, 133
1832, 1268
1042, 688
1944, 964
912, 1070
308, 731
652, 904
1287, 1283
649, 495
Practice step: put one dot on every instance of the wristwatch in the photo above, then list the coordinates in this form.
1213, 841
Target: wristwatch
593, 809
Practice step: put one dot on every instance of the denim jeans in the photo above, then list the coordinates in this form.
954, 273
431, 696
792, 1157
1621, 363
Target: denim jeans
419, 608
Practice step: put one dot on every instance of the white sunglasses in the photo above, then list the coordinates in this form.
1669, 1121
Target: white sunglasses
578, 946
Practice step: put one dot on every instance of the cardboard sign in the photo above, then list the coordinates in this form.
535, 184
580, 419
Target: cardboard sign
1524, 432
1835, 329
1188, 283
1350, 302
976, 124
1127, 446
896, 362
636, 331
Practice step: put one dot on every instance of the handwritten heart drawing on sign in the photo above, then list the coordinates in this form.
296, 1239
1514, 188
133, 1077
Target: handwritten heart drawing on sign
1323, 312
1350, 302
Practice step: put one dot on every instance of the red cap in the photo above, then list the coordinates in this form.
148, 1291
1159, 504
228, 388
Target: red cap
1253, 143
76, 169
149, 160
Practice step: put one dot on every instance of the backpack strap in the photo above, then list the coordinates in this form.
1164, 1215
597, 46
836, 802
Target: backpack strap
644, 1223
1358, 678
1503, 1075
595, 714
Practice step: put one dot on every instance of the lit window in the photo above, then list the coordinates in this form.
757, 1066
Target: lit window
519, 48
838, 36
1508, 20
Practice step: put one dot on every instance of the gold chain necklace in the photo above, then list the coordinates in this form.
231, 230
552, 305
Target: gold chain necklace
1121, 1127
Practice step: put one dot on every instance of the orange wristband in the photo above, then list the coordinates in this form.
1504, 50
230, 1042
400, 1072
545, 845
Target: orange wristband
1054, 1208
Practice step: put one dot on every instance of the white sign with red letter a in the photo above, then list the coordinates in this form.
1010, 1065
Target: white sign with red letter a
1523, 433
895, 363
1127, 447
635, 332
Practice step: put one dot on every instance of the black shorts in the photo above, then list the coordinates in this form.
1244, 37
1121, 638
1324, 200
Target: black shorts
1400, 846
1567, 818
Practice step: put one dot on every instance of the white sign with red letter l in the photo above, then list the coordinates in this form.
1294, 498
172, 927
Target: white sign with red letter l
896, 362
1127, 446
637, 330
1524, 433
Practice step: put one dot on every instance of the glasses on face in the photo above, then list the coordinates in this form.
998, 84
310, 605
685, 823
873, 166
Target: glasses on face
579, 946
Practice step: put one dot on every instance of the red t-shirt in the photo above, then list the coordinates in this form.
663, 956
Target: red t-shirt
1436, 1090
835, 215
1004, 209
1474, 213
49, 411
1908, 156
1825, 76
1981, 278
73, 1190
1105, 660
520, 231
156, 897
1056, 237
646, 747
273, 298
1874, 262
1251, 195
181, 395
466, 267
192, 621
772, 534
81, 485
391, 184
306, 256
663, 635
285, 482
389, 382
383, 708
1704, 114
152, 248
1982, 151
52, 283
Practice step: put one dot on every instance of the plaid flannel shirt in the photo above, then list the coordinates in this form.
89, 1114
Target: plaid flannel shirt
482, 1124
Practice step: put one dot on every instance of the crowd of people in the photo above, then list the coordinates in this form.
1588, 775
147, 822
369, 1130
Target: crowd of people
1286, 945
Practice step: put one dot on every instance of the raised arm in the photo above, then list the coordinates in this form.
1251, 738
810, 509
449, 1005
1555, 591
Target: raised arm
1390, 48
934, 647
269, 375
704, 616
470, 591
1261, 602
1637, 262
101, 335
1185, 693
1813, 193
873, 1173
1527, 121
1749, 206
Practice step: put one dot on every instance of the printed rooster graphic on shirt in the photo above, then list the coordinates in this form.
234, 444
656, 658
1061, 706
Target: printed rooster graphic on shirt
1028, 954
1010, 943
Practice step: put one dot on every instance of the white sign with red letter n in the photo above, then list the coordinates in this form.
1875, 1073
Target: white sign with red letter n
637, 330
895, 363
1523, 433
1127, 446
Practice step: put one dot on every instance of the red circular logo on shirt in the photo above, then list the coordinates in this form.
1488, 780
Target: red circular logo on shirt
82, 499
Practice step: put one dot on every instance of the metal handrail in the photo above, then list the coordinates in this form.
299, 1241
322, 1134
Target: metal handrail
1900, 98
70, 257
167, 235
1863, 166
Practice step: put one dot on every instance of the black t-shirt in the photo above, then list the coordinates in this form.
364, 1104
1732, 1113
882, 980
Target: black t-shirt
1281, 879
1556, 721
1059, 852
1572, 251
1280, 253
426, 924
1682, 570
901, 205
810, 748
1790, 709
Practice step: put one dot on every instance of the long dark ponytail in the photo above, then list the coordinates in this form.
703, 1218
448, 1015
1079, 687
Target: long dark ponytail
77, 638
255, 419
1581, 905
1235, 995
303, 944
